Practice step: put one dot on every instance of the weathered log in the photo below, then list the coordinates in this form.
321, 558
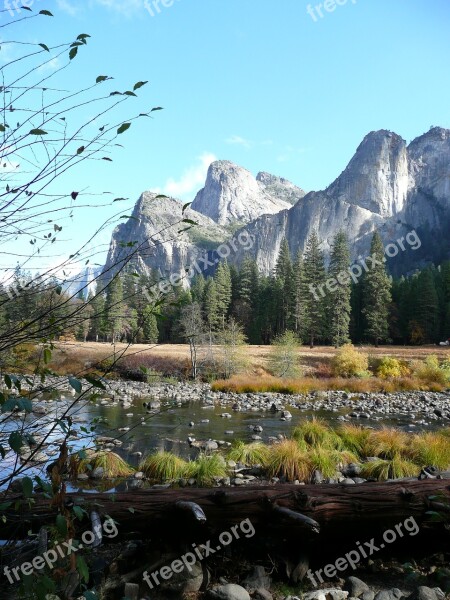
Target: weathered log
283, 510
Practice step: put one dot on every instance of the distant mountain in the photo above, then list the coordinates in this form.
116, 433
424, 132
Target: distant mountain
232, 195
388, 185
84, 280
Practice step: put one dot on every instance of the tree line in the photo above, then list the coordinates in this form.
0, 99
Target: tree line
320, 303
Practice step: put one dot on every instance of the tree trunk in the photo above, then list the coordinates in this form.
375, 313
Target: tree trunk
341, 512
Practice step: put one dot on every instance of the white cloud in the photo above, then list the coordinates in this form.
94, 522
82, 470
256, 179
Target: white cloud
237, 140
68, 7
50, 65
191, 180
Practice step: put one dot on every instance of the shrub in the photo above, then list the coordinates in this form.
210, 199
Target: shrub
348, 362
283, 358
431, 372
164, 466
389, 367
288, 460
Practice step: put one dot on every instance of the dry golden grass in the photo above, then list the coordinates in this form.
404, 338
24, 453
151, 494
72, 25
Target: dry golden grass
242, 384
82, 354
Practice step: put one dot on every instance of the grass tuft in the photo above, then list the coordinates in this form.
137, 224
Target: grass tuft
255, 453
205, 469
112, 464
288, 460
164, 466
395, 468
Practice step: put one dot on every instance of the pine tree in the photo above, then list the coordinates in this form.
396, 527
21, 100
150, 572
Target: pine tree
376, 294
222, 279
114, 308
339, 306
97, 329
427, 306
285, 287
198, 289
300, 291
150, 325
211, 310
315, 295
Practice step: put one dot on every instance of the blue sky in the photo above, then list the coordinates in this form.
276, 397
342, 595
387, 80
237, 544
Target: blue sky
258, 82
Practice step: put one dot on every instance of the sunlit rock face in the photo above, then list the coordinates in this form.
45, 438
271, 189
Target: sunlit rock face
388, 185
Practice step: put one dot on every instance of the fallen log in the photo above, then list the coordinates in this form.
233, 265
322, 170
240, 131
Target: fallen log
314, 512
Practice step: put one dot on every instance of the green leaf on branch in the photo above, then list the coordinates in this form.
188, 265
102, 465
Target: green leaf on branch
129, 94
189, 221
107, 158
123, 128
61, 525
73, 53
38, 132
27, 487
47, 13
80, 150
101, 78
185, 206
15, 441
2, 128
139, 84
82, 568
75, 384
157, 108
79, 512
47, 355
45, 47
95, 382
83, 36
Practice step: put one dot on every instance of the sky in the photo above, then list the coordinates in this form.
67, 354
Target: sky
287, 87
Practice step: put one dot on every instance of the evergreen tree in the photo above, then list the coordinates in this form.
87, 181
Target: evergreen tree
427, 306
300, 292
97, 329
150, 325
314, 283
211, 309
114, 308
198, 289
222, 279
339, 306
285, 287
377, 294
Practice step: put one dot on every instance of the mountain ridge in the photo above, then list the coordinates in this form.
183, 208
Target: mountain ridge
387, 185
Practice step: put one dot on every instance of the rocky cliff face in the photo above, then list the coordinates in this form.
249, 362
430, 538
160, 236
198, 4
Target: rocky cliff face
232, 195
387, 186
154, 238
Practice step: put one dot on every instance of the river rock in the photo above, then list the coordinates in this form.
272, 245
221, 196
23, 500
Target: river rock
426, 593
229, 591
355, 587
257, 579
186, 582
331, 594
